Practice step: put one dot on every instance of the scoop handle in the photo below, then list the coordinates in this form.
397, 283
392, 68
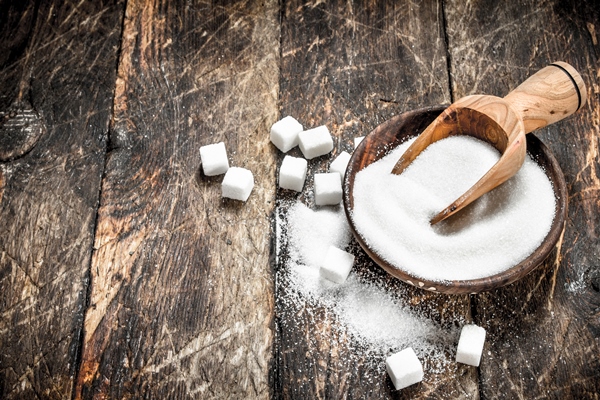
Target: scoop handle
549, 95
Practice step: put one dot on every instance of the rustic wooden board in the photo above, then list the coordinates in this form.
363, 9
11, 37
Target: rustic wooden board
543, 331
123, 274
57, 72
181, 299
352, 66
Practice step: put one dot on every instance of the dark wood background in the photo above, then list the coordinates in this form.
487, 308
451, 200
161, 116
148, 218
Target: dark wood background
123, 274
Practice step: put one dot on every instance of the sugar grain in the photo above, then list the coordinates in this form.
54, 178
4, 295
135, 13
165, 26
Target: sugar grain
376, 319
499, 230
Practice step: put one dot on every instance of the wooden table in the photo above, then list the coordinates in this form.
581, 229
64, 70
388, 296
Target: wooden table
123, 274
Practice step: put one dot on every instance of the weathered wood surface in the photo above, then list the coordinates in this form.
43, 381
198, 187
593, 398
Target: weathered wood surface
57, 74
123, 274
543, 331
181, 299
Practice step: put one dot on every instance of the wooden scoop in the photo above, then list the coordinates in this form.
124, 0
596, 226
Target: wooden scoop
551, 94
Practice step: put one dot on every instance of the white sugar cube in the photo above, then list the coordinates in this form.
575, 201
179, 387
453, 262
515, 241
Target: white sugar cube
292, 173
470, 345
337, 265
404, 368
340, 163
214, 159
357, 141
328, 189
284, 133
237, 184
315, 142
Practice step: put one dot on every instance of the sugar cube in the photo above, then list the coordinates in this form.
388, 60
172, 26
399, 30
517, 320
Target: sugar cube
292, 173
315, 142
237, 184
470, 345
357, 141
337, 265
404, 368
328, 189
214, 159
340, 163
284, 133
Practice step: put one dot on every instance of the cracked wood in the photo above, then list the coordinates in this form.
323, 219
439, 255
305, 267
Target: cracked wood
181, 297
124, 275
57, 72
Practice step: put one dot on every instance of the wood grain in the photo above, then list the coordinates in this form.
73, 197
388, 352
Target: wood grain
20, 129
57, 69
352, 66
181, 301
123, 274
542, 331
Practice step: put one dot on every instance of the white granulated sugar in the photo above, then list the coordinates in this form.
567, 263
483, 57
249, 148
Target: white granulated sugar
499, 230
375, 318
310, 233
576, 284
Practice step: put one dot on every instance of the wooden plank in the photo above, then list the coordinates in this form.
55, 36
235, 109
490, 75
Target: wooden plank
182, 294
57, 69
543, 331
351, 66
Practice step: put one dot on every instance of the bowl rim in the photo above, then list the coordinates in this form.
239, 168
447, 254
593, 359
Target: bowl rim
393, 129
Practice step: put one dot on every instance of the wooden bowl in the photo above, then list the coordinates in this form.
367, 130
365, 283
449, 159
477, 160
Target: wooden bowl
397, 130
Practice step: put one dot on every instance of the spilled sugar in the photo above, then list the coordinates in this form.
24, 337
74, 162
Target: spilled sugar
371, 313
313, 232
499, 230
577, 284
371, 316
382, 321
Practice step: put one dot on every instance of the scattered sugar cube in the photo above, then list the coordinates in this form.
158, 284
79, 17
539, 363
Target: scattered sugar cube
470, 345
357, 141
340, 163
237, 184
315, 142
214, 159
292, 173
328, 189
284, 133
337, 265
404, 368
